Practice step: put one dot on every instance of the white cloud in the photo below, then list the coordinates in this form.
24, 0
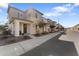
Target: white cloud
4, 5
64, 8
53, 14
61, 9
76, 4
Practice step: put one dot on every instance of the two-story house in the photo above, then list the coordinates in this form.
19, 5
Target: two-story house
29, 21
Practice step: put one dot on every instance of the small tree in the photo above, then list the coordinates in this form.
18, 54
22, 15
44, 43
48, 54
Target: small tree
41, 25
52, 27
4, 29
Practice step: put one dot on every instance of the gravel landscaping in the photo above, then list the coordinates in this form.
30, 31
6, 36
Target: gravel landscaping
38, 35
8, 39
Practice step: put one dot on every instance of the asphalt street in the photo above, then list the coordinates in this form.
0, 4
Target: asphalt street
54, 47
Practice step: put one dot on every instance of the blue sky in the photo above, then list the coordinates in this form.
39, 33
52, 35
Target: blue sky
66, 13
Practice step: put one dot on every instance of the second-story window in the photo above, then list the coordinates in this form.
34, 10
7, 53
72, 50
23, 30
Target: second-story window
18, 15
21, 15
36, 15
28, 15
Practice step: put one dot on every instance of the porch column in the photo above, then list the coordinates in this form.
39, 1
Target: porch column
17, 28
21, 27
44, 28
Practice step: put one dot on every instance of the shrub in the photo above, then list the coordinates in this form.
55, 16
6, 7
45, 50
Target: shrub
26, 37
11, 41
37, 34
7, 32
45, 32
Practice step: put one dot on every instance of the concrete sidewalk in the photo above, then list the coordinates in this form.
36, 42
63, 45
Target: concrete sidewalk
24, 46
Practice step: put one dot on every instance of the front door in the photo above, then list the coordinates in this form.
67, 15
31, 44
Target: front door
25, 28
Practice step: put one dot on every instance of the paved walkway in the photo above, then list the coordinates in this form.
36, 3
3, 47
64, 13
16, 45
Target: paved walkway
72, 36
25, 46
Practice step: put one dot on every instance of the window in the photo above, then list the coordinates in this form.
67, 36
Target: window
78, 28
28, 15
21, 15
36, 26
36, 15
18, 15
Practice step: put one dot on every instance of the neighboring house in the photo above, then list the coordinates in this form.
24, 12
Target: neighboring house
76, 27
51, 24
58, 27
30, 21
69, 29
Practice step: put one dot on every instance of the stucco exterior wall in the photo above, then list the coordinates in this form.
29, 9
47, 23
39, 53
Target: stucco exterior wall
14, 13
21, 17
32, 13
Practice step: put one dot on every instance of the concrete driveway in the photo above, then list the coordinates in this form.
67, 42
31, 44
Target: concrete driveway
72, 36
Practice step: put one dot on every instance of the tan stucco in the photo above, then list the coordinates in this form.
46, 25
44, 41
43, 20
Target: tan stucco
31, 17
